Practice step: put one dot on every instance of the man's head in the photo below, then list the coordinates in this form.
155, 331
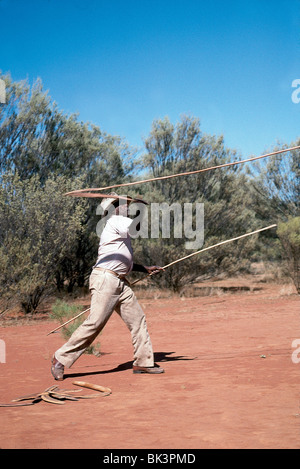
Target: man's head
118, 204
121, 207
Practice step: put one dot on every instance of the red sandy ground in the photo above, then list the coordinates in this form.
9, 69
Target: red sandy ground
230, 381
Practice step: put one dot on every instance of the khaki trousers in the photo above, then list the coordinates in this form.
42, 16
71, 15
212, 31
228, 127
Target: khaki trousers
109, 293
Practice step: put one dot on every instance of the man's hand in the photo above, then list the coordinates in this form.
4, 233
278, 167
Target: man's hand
153, 269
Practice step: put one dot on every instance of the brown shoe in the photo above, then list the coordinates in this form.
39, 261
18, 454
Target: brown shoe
57, 369
154, 370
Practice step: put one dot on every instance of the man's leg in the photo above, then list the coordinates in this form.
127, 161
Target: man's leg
133, 315
104, 296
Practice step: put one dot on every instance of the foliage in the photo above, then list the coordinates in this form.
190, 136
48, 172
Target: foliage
275, 187
181, 148
289, 234
38, 227
37, 138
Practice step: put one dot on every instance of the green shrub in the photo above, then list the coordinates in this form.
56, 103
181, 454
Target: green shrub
289, 234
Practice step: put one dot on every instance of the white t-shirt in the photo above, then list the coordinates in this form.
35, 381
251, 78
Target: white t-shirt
115, 251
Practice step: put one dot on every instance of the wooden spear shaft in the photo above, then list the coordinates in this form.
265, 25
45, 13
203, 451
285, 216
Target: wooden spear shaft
80, 192
172, 263
206, 249
67, 322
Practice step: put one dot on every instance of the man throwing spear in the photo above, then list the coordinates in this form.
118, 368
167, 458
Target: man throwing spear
110, 291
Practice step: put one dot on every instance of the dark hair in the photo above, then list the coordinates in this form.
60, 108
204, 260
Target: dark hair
116, 203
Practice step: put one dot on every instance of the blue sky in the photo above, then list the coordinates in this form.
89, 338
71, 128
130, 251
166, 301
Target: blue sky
122, 64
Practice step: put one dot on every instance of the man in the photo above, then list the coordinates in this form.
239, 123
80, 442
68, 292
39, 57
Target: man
110, 291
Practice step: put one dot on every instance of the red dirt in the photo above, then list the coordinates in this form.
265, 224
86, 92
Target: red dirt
230, 381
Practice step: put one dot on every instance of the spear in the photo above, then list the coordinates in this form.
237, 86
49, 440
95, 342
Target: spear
67, 322
206, 249
87, 193
175, 262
